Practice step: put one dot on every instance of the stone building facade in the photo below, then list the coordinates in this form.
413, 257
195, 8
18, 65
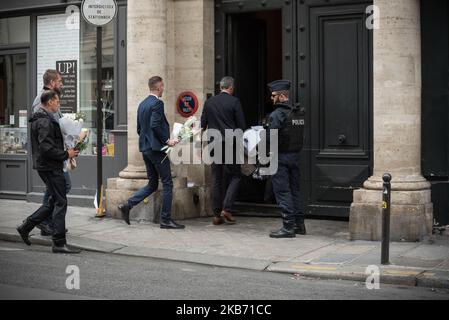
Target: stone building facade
180, 48
376, 99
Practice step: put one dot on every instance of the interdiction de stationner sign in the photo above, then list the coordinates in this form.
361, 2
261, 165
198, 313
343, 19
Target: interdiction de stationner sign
187, 104
99, 12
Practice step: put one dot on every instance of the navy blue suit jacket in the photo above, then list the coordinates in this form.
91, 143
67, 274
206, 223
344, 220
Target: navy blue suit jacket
152, 125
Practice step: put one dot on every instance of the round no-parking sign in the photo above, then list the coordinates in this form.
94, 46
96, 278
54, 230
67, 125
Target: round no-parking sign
187, 104
99, 12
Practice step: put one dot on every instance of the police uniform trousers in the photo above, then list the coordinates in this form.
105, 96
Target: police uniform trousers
286, 188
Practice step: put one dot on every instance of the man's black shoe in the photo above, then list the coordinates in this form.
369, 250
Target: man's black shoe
300, 229
65, 249
283, 233
124, 208
24, 231
170, 224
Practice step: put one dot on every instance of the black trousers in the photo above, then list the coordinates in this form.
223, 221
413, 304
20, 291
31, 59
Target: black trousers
233, 173
286, 187
56, 207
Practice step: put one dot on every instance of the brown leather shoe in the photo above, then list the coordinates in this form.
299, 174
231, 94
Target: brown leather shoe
228, 216
218, 220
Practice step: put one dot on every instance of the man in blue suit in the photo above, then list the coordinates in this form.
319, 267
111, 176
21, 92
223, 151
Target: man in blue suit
154, 134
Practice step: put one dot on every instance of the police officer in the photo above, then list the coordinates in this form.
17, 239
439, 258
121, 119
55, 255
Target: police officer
290, 124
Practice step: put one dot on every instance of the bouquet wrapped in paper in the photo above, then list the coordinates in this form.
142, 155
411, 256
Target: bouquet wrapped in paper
70, 129
83, 140
183, 133
80, 144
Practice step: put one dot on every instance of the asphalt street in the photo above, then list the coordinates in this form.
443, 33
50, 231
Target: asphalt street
36, 273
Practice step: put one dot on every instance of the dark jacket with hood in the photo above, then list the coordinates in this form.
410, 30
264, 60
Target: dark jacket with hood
47, 143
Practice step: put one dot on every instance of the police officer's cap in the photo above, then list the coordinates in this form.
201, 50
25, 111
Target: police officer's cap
279, 85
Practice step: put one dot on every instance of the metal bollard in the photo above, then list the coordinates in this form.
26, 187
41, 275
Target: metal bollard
386, 204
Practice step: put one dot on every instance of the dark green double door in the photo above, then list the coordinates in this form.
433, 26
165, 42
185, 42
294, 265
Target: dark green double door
326, 50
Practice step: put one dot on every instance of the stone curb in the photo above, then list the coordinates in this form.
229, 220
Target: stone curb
198, 258
395, 275
389, 275
11, 235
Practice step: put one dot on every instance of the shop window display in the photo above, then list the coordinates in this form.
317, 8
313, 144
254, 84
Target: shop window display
13, 104
13, 140
88, 86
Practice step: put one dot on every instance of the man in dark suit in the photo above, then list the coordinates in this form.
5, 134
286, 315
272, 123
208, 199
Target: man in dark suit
224, 112
154, 134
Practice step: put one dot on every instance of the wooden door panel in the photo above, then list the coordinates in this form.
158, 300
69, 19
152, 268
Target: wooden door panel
340, 104
339, 79
335, 182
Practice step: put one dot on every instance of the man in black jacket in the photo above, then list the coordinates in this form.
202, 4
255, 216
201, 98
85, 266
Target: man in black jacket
52, 80
224, 112
48, 152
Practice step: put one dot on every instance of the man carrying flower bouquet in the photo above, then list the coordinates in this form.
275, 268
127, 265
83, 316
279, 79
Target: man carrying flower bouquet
48, 152
52, 80
154, 135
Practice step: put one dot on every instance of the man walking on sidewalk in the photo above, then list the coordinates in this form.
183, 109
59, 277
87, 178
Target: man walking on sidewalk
48, 157
224, 112
52, 80
154, 133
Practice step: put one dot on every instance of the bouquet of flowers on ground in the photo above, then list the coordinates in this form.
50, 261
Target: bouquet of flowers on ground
183, 133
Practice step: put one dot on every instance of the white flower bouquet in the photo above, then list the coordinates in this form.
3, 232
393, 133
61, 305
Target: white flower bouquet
81, 144
74, 136
83, 140
183, 133
71, 129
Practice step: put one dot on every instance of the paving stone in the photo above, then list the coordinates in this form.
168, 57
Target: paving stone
429, 252
416, 262
443, 266
335, 258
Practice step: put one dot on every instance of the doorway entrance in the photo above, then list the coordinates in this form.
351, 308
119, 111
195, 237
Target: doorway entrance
255, 59
325, 49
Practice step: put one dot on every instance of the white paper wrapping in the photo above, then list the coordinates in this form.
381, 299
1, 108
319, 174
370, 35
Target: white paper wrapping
251, 138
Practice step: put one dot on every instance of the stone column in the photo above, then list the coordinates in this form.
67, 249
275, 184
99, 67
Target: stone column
397, 130
146, 56
150, 52
193, 21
